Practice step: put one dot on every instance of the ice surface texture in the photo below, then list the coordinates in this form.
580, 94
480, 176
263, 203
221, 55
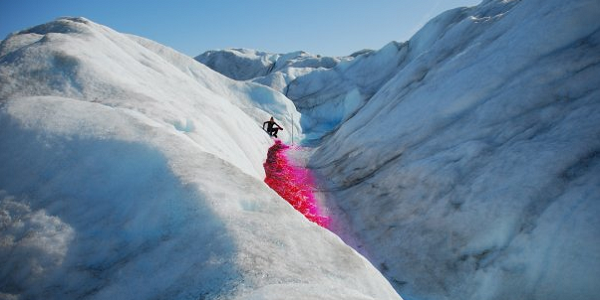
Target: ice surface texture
474, 173
130, 171
466, 160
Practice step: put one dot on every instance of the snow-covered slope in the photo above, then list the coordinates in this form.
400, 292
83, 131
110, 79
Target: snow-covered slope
246, 64
239, 64
130, 171
326, 90
328, 97
474, 172
274, 70
463, 163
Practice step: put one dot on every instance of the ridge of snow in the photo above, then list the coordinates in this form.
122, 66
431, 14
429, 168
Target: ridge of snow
328, 97
326, 90
247, 64
472, 173
273, 70
463, 163
131, 171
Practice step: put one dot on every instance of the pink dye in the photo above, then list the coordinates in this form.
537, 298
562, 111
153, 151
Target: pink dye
292, 183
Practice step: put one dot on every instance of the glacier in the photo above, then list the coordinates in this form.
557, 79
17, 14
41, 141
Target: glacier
464, 163
131, 171
460, 164
474, 172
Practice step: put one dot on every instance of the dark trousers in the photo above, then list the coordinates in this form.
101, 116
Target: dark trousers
273, 131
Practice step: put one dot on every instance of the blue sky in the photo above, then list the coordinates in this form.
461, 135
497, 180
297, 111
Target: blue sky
326, 27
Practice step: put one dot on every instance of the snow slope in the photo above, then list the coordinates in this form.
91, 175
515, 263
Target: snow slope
328, 97
474, 171
246, 64
130, 171
327, 90
273, 70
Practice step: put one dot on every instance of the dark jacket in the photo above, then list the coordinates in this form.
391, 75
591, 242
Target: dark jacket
270, 125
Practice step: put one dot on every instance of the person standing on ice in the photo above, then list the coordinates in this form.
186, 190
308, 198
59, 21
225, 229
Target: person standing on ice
271, 129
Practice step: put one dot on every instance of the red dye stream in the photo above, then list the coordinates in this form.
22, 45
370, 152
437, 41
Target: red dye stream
292, 183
